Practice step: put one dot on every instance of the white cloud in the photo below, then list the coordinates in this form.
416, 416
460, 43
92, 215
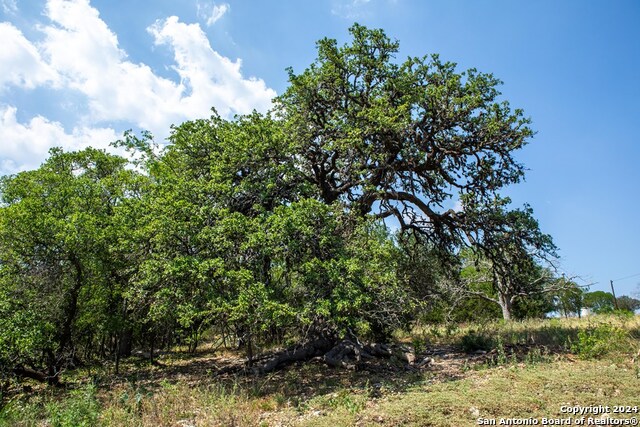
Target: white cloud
82, 48
25, 145
80, 53
85, 51
20, 62
213, 79
211, 12
217, 13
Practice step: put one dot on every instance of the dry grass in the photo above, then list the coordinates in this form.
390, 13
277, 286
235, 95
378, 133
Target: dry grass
518, 392
529, 370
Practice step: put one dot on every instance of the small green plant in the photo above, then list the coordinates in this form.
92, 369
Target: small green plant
536, 356
501, 358
624, 315
347, 400
132, 400
419, 345
451, 329
595, 342
80, 409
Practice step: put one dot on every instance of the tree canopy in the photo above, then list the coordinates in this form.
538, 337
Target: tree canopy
402, 139
276, 228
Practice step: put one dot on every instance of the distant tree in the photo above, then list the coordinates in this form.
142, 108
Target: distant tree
599, 301
511, 250
628, 303
570, 299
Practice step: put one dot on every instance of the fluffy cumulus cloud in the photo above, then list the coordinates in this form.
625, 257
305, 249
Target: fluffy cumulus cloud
80, 53
20, 62
85, 52
213, 79
25, 145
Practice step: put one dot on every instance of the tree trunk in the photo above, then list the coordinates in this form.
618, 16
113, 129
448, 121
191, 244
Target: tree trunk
125, 342
301, 353
38, 376
152, 344
506, 305
117, 354
71, 307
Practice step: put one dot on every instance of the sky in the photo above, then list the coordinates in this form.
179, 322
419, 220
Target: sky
77, 73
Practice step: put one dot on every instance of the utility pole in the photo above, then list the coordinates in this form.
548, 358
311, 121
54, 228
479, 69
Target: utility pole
615, 300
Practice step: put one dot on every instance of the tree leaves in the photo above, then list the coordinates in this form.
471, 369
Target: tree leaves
270, 226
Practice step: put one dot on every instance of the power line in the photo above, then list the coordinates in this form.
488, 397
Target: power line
627, 277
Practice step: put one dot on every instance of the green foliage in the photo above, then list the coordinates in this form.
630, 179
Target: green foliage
628, 303
419, 344
80, 409
345, 399
55, 266
400, 139
269, 229
536, 356
599, 340
599, 301
570, 299
480, 292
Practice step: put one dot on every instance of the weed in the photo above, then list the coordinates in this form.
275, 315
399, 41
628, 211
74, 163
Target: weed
345, 399
80, 409
132, 400
596, 341
533, 357
419, 345
501, 358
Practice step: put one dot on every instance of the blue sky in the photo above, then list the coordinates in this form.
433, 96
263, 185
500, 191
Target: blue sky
77, 72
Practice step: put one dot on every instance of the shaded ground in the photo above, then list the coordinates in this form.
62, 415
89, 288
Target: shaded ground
517, 370
303, 380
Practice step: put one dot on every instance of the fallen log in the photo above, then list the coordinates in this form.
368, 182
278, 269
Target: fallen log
297, 354
36, 375
347, 354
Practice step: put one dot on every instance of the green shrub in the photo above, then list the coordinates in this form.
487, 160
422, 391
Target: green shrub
624, 315
419, 345
80, 409
596, 341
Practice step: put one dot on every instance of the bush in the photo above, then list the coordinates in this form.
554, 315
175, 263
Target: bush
597, 341
78, 410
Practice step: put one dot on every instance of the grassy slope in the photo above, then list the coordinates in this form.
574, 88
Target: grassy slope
528, 373
501, 393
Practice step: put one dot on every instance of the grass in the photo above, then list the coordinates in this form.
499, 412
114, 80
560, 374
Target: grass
491, 371
504, 393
